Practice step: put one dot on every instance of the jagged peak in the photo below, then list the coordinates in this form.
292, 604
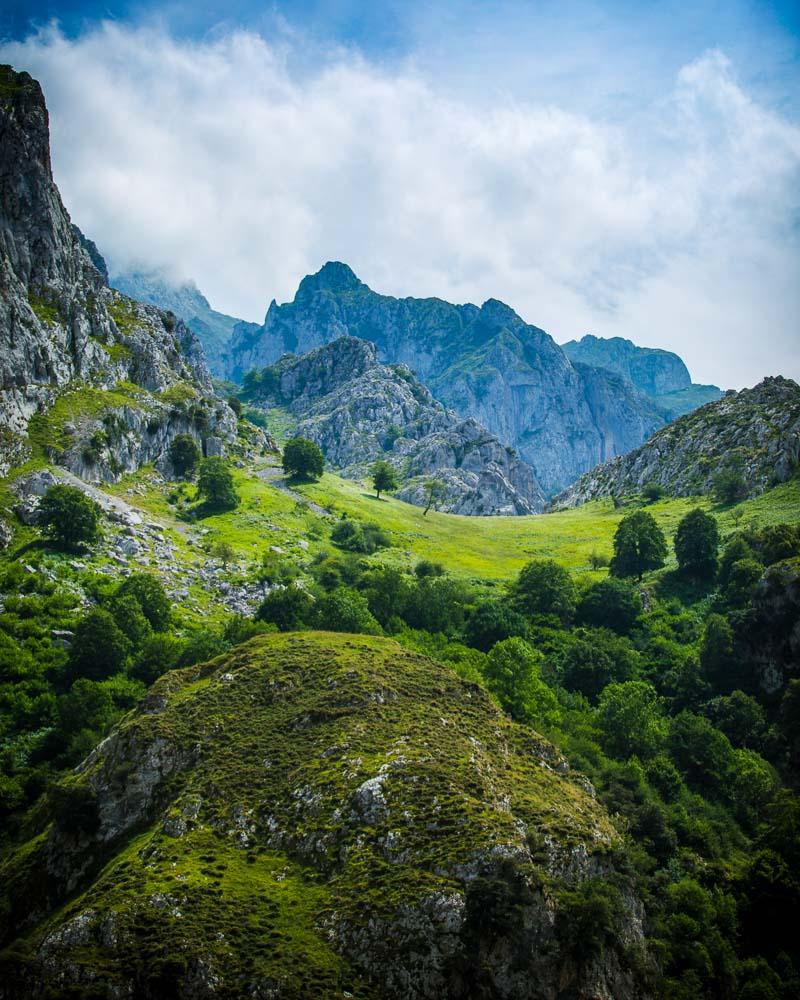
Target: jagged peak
334, 276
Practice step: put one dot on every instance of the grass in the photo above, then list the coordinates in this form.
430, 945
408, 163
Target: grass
124, 313
46, 311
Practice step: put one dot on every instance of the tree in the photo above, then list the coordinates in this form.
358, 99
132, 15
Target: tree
653, 491
236, 405
303, 459
717, 654
69, 517
512, 673
99, 647
630, 717
426, 567
610, 603
215, 485
435, 491
345, 610
639, 545
742, 579
697, 544
152, 598
184, 455
357, 537
131, 619
701, 752
736, 549
545, 588
384, 478
741, 718
596, 660
287, 607
493, 621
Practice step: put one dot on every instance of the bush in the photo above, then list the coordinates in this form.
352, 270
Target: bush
545, 588
729, 484
152, 599
437, 604
74, 808
357, 537
743, 576
235, 404
215, 485
653, 492
303, 459
696, 544
639, 545
69, 517
184, 455
610, 603
158, 654
425, 567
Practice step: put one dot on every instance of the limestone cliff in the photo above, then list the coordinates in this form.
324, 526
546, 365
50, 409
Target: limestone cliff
358, 410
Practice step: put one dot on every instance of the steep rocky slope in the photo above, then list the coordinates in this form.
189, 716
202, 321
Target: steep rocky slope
213, 329
62, 327
757, 429
662, 375
311, 814
358, 410
484, 363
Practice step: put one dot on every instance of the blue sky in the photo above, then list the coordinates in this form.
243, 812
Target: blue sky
617, 168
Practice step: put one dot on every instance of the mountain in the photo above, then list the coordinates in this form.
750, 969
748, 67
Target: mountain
314, 815
659, 374
358, 410
484, 363
213, 329
756, 432
127, 377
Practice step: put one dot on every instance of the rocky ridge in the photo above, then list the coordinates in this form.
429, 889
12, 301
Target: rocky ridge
61, 326
358, 410
380, 829
484, 363
758, 429
659, 374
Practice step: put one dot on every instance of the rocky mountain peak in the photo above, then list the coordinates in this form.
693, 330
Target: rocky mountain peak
331, 277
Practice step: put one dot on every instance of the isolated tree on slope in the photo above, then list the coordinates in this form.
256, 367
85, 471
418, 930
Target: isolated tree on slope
697, 543
68, 516
215, 485
303, 459
184, 455
384, 478
639, 545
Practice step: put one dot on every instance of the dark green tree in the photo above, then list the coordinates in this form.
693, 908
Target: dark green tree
742, 579
184, 455
631, 720
729, 484
99, 647
384, 478
131, 619
545, 588
235, 404
512, 673
610, 603
717, 655
215, 485
596, 660
639, 545
69, 517
303, 459
697, 544
345, 610
492, 621
435, 492
736, 549
151, 597
702, 753
287, 607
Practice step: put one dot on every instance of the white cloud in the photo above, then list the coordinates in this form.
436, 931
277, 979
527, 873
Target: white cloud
677, 228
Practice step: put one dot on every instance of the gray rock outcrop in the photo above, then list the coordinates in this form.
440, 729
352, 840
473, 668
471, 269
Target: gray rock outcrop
358, 410
60, 324
758, 429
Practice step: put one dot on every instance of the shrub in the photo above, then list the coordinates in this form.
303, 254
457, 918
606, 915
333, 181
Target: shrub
357, 537
131, 619
630, 718
215, 485
596, 660
653, 492
74, 808
729, 484
69, 517
184, 455
235, 404
639, 545
545, 588
303, 459
610, 603
425, 567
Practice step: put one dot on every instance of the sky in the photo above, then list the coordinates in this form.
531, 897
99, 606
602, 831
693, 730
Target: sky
619, 168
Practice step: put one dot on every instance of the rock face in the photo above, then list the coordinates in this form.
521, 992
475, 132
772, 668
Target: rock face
659, 374
213, 329
483, 363
313, 815
59, 321
758, 428
358, 410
